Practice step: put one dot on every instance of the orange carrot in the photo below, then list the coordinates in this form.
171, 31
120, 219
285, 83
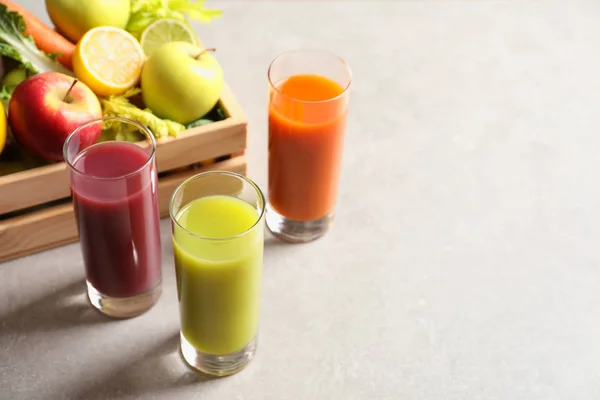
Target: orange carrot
44, 37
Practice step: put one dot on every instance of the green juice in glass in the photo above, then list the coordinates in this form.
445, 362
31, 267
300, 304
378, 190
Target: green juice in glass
218, 271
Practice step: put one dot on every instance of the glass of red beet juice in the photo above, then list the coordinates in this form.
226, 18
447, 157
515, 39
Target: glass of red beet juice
113, 178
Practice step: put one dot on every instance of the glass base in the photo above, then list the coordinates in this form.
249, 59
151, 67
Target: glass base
124, 307
214, 365
297, 231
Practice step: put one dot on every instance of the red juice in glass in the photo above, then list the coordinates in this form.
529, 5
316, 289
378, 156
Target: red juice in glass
115, 199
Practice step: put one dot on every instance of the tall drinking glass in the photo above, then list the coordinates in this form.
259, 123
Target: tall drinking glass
115, 198
218, 229
308, 104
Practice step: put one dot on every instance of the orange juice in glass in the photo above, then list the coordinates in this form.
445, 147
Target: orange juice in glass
308, 104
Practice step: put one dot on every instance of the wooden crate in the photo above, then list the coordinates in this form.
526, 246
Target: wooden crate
35, 207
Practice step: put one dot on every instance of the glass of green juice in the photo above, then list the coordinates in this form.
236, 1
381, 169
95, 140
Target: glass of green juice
217, 221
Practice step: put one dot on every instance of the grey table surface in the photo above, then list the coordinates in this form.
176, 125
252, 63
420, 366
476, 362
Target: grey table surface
464, 263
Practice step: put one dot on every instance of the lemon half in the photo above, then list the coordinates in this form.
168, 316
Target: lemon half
109, 60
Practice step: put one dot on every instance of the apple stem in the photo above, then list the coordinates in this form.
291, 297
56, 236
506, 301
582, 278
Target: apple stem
204, 51
69, 91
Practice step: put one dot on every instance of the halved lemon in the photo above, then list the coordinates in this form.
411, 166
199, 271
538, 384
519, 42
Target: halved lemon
165, 31
109, 60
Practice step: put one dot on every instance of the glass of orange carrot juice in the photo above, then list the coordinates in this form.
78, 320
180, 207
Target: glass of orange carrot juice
308, 104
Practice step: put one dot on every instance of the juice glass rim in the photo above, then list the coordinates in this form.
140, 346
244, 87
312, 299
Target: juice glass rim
244, 178
141, 127
310, 50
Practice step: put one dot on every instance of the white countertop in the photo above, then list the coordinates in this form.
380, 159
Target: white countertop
464, 263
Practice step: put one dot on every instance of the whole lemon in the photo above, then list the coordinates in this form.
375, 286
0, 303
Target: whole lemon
73, 18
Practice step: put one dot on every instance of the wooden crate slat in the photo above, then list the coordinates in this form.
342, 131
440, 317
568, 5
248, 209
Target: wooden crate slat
39, 230
55, 226
228, 137
32, 187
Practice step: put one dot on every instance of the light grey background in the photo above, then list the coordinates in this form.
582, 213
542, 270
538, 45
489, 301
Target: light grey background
464, 261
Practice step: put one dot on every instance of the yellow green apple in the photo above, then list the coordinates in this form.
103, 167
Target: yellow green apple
45, 108
181, 82
73, 18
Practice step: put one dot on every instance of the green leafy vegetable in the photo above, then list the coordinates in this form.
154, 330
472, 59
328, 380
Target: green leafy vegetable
15, 44
145, 12
199, 122
214, 115
221, 113
122, 107
5, 94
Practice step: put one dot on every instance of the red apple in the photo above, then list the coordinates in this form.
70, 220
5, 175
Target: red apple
45, 108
